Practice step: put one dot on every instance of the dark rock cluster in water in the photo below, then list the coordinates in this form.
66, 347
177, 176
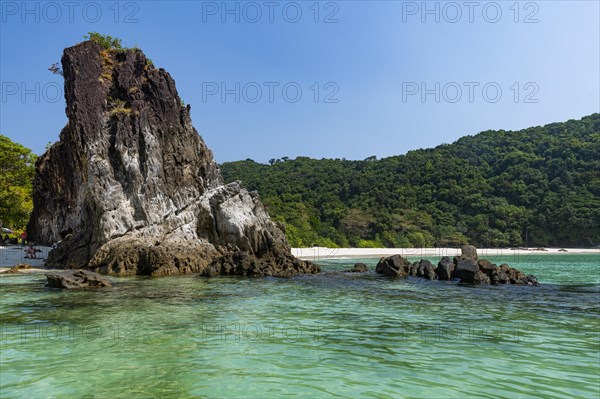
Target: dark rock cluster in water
467, 268
131, 188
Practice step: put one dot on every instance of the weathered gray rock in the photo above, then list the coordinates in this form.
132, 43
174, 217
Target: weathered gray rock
466, 270
445, 268
76, 279
131, 188
426, 270
468, 252
499, 276
393, 266
414, 269
481, 278
486, 266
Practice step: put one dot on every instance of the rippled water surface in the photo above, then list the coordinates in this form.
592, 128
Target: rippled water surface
325, 336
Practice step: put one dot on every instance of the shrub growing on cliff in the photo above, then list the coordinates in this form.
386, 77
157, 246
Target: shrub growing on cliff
118, 106
55, 69
106, 41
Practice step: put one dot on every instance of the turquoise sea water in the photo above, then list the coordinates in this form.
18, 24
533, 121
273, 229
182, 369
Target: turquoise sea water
324, 336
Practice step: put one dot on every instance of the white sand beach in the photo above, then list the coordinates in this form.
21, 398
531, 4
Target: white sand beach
15, 254
12, 255
348, 253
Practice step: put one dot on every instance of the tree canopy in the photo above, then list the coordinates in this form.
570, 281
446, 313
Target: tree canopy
17, 166
538, 186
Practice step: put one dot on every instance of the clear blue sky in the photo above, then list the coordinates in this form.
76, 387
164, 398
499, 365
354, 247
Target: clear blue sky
376, 56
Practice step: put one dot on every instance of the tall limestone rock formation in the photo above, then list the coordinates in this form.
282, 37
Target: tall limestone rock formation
131, 188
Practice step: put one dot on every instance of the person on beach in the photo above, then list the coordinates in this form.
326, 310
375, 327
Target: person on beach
30, 252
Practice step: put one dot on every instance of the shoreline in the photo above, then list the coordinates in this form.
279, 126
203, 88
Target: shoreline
357, 253
11, 256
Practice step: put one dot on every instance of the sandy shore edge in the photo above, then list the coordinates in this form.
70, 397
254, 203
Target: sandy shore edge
11, 256
349, 253
15, 254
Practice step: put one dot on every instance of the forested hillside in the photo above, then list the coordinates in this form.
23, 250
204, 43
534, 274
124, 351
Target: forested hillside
539, 186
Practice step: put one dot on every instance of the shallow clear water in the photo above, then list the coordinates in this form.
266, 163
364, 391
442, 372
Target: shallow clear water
325, 336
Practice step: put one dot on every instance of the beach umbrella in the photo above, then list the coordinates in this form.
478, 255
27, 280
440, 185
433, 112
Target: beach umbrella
4, 230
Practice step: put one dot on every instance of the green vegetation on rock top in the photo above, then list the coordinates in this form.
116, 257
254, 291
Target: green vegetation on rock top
106, 41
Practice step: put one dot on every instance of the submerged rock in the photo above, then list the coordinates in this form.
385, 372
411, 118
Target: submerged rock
74, 279
358, 268
515, 276
131, 188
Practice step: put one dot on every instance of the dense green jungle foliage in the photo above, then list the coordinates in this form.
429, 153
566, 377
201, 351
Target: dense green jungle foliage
17, 166
539, 186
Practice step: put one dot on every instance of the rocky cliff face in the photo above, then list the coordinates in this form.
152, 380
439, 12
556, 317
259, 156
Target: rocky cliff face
131, 188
